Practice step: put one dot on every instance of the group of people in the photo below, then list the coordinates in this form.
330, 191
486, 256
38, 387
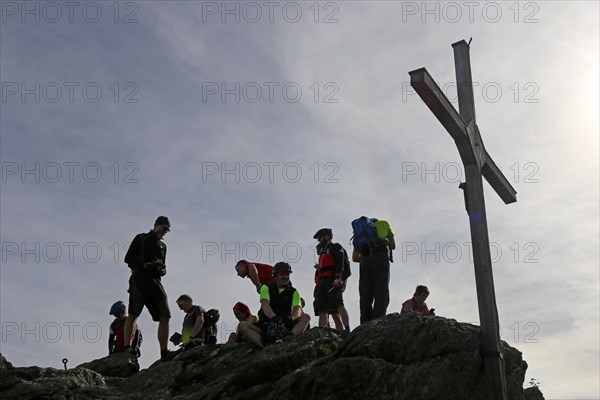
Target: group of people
281, 310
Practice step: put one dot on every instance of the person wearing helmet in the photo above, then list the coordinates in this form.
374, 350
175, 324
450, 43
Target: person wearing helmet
330, 282
259, 274
146, 257
116, 342
280, 312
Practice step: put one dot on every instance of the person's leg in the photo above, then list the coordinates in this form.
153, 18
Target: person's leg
323, 319
337, 319
343, 313
159, 309
381, 268
134, 309
342, 308
334, 301
365, 291
232, 339
163, 333
251, 333
129, 329
321, 301
301, 325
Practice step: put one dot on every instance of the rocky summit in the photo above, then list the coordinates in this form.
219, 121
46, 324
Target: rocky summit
396, 357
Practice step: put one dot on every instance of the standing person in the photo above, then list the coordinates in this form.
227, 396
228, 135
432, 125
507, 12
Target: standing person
259, 274
330, 280
281, 309
116, 337
373, 243
146, 257
417, 303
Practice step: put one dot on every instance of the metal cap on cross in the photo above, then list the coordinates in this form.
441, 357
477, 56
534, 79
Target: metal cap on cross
462, 127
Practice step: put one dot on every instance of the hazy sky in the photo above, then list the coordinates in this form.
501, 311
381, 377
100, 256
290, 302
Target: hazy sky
253, 124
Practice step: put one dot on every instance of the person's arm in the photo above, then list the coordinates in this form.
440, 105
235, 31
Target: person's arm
266, 307
392, 242
111, 343
265, 302
355, 256
148, 249
197, 325
338, 254
253, 275
296, 305
136, 338
407, 307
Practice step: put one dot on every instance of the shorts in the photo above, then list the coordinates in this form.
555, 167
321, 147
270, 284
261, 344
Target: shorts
328, 298
149, 292
281, 332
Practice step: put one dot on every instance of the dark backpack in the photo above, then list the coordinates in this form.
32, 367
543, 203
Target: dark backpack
366, 239
346, 271
211, 317
134, 258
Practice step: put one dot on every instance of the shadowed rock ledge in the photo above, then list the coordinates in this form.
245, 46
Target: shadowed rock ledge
396, 357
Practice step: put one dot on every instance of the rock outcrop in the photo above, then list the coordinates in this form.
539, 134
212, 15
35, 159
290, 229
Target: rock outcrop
395, 357
119, 365
533, 393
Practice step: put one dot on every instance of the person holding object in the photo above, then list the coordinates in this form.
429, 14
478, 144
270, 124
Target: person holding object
192, 332
146, 257
330, 281
281, 310
417, 303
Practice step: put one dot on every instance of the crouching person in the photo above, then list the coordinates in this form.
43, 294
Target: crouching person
116, 337
192, 333
281, 310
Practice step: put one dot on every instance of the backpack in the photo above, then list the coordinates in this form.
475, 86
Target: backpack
211, 317
346, 271
366, 239
134, 258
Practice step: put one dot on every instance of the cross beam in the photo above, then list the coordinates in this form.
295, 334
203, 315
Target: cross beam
462, 127
466, 136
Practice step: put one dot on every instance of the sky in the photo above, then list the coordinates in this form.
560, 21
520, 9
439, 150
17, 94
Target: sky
253, 124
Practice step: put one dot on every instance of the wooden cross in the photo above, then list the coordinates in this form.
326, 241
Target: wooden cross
463, 128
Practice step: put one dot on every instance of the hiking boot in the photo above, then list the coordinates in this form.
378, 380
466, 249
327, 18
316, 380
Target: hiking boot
132, 351
166, 355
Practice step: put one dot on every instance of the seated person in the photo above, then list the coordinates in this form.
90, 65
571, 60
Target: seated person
242, 313
192, 333
281, 310
417, 303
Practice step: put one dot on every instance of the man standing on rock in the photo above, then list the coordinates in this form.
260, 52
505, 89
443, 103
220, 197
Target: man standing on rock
146, 257
330, 280
373, 243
